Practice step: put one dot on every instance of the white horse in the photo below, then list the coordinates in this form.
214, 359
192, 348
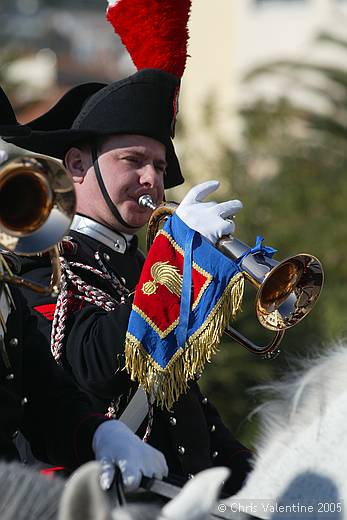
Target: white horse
300, 467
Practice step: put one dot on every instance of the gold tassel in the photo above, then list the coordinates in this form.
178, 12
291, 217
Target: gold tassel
168, 383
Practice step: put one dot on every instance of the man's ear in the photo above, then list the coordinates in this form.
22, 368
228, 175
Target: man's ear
76, 163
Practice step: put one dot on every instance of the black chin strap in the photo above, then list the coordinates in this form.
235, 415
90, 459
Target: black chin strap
103, 189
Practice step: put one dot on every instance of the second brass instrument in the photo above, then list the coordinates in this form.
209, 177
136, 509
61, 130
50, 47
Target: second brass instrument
37, 205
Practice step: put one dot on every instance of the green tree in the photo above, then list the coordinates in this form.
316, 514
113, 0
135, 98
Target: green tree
299, 205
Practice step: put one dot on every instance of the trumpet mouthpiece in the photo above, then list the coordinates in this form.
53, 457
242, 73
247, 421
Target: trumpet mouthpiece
146, 201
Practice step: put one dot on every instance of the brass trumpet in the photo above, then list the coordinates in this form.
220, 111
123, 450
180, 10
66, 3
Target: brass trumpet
37, 205
286, 290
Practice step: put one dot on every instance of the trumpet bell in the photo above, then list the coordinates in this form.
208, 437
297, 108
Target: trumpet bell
289, 292
37, 204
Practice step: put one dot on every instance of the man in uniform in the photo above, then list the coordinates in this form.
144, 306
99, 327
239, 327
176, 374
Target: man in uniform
115, 141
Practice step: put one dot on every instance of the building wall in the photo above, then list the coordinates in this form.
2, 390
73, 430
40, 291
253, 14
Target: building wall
229, 38
268, 30
209, 70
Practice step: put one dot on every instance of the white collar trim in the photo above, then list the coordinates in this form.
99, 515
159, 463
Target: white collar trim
103, 234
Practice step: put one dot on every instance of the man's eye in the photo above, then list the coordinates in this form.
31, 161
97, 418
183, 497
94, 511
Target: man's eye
132, 159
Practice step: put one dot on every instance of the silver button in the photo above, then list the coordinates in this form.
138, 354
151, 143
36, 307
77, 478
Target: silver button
10, 377
198, 376
204, 401
181, 450
117, 244
14, 342
190, 476
215, 454
213, 428
107, 257
24, 401
172, 421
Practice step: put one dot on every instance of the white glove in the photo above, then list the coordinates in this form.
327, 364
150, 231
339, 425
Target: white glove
208, 218
114, 443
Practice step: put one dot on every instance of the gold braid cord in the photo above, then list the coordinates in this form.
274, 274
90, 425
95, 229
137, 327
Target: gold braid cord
169, 383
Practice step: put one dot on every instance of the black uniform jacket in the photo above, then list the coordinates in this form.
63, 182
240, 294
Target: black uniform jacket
192, 436
39, 398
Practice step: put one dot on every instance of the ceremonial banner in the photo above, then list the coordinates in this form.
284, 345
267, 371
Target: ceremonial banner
187, 293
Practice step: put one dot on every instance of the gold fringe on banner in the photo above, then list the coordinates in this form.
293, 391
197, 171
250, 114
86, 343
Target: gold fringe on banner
167, 384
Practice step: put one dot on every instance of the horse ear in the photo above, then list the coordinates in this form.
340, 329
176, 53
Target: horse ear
197, 497
83, 498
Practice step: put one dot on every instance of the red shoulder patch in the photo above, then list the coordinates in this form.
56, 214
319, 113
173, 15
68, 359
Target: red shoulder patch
47, 310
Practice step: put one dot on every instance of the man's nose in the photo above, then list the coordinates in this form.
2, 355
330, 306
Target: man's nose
149, 175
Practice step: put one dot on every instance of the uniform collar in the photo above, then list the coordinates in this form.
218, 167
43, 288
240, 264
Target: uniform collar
101, 233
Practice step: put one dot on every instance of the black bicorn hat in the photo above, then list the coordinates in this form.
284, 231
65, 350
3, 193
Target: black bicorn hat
142, 104
9, 125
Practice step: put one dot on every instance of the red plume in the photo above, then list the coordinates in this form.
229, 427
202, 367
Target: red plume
155, 32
